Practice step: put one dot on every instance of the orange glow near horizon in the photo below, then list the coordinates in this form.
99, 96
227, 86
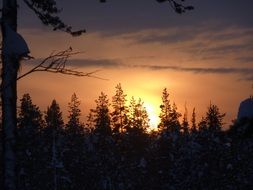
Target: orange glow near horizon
184, 86
203, 89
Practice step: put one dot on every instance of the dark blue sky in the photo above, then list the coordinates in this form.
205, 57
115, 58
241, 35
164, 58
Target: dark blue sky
131, 15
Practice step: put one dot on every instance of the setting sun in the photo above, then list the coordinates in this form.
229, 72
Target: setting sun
153, 115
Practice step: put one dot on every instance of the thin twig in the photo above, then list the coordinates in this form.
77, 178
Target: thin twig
56, 63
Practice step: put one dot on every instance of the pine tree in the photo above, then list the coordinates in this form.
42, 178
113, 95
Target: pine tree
120, 110
53, 118
138, 116
214, 119
101, 116
174, 123
74, 125
29, 118
202, 125
185, 123
169, 115
193, 120
29, 143
73, 152
165, 110
54, 145
90, 124
104, 160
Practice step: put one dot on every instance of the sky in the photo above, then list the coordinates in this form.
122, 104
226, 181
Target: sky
203, 56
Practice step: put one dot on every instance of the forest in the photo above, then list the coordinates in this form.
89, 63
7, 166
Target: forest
115, 150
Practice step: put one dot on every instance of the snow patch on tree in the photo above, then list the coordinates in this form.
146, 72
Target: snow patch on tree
246, 109
14, 44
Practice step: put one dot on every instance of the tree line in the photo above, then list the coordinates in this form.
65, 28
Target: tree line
115, 150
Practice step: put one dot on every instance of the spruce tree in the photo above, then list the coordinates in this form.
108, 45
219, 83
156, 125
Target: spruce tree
29, 144
169, 115
185, 123
74, 124
54, 146
214, 118
120, 110
73, 153
138, 117
202, 125
174, 123
102, 116
165, 110
193, 120
29, 117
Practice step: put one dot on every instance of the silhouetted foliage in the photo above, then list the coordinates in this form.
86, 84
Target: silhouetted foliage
193, 121
53, 135
177, 5
102, 116
185, 123
138, 117
47, 11
65, 156
29, 155
120, 111
74, 124
169, 115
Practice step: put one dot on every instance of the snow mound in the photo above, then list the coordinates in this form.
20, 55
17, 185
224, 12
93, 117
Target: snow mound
14, 44
246, 109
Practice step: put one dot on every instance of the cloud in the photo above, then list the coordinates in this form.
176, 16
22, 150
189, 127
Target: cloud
203, 43
247, 59
245, 73
104, 63
166, 38
101, 63
199, 33
225, 49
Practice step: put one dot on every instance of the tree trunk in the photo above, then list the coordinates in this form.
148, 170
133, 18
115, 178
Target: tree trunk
9, 98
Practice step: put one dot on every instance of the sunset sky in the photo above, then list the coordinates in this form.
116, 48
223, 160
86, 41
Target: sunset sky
202, 56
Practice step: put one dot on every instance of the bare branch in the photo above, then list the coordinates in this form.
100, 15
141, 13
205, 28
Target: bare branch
56, 63
177, 5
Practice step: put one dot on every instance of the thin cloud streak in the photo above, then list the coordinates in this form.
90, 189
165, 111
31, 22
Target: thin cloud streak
245, 73
101, 63
200, 70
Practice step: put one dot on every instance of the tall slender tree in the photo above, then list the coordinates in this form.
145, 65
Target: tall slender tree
73, 152
53, 138
102, 116
193, 121
10, 65
169, 115
119, 113
174, 123
214, 118
74, 124
202, 125
138, 116
29, 144
165, 110
185, 123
